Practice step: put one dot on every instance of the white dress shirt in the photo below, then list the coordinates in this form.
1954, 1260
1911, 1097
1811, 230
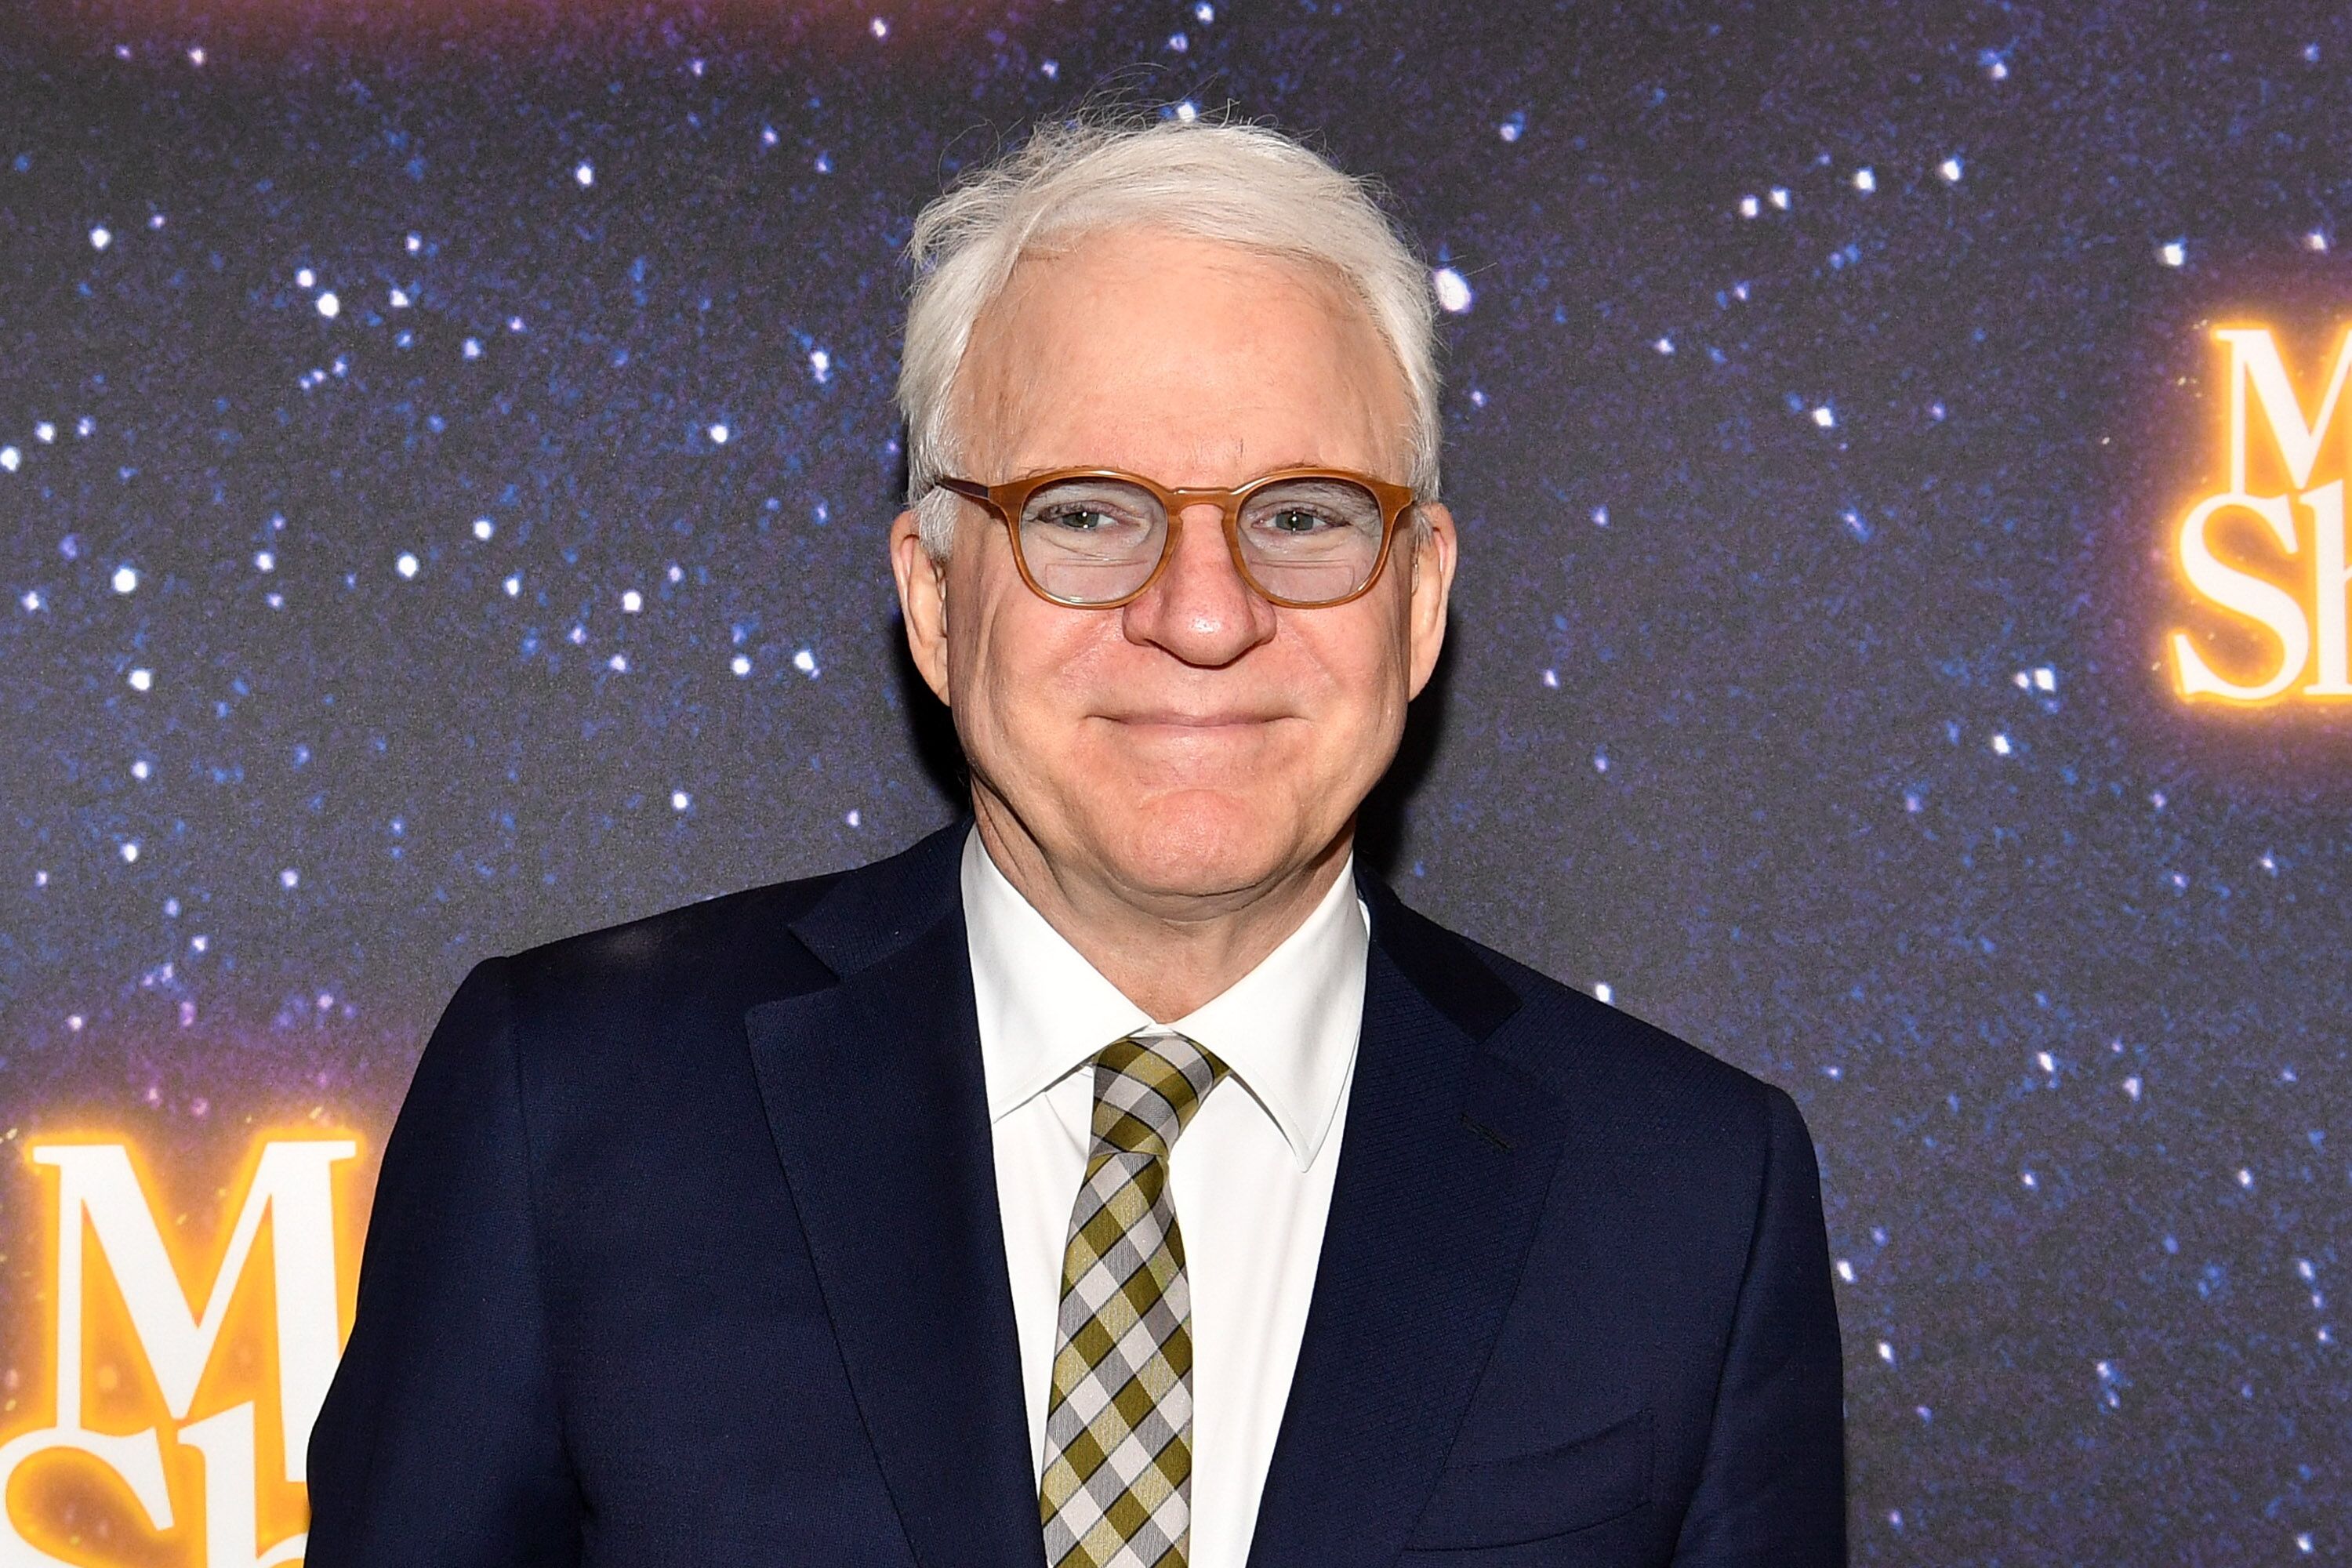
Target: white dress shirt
1250, 1177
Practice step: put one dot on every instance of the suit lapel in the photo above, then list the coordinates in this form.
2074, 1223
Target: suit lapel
873, 1089
1445, 1160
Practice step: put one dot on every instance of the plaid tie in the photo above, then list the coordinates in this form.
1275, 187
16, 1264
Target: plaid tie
1116, 1490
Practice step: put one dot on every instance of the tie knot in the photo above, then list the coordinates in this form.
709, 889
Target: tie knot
1147, 1088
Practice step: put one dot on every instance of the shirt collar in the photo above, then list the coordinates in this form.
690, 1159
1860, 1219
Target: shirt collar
1286, 1030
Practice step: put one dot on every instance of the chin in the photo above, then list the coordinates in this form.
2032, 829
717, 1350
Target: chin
1200, 843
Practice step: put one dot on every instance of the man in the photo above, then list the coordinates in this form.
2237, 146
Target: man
1123, 1176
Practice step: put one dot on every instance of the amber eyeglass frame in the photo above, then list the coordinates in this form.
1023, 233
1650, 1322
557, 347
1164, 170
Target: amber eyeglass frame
1008, 499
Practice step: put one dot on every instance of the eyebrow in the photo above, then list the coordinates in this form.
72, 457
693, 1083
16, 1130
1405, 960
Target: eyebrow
1207, 454
1260, 466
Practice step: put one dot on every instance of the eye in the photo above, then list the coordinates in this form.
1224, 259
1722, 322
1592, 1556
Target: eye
1077, 519
1316, 512
1297, 519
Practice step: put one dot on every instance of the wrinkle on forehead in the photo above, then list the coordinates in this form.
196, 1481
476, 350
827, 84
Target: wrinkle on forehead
1006, 392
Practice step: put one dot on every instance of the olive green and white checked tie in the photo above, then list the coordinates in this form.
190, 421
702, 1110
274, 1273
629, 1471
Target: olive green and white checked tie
1117, 1489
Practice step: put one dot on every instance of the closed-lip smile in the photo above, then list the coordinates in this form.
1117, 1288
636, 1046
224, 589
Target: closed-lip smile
1175, 718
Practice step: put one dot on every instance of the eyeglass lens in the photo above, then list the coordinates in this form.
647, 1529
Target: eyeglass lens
1309, 540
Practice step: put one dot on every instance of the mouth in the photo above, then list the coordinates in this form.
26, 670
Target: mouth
1172, 719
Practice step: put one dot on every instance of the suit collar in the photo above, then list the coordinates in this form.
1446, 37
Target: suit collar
875, 911
1439, 965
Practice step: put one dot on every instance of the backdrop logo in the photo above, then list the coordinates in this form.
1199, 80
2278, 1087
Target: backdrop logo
2270, 549
134, 1360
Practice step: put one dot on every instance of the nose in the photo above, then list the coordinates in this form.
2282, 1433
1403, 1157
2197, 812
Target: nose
1199, 610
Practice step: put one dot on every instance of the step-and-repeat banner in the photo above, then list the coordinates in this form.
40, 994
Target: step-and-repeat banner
1901, 646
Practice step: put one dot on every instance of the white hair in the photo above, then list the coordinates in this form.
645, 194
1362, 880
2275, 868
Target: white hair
1232, 181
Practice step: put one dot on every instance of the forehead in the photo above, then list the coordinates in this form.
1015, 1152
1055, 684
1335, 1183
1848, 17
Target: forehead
1194, 361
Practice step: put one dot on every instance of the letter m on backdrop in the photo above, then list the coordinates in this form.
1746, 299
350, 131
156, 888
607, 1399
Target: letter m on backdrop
102, 1211
2297, 471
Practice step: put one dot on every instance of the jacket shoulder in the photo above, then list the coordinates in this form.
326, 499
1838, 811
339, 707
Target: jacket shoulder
1587, 1050
708, 961
635, 1013
721, 929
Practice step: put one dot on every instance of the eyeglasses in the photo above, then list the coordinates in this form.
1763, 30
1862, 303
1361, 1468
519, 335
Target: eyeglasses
1096, 538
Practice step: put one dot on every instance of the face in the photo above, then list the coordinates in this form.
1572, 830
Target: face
1197, 745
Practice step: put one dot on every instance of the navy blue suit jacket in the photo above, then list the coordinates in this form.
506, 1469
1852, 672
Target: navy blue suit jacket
685, 1250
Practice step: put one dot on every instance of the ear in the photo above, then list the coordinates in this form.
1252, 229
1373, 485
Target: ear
1432, 585
922, 601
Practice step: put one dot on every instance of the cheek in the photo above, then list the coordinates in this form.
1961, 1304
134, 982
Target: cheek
1363, 721
1020, 666
1358, 665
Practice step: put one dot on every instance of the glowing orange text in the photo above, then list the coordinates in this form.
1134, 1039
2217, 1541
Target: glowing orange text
177, 1420
2243, 549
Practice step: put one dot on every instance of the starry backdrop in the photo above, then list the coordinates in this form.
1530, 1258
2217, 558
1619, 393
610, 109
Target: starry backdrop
444, 452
